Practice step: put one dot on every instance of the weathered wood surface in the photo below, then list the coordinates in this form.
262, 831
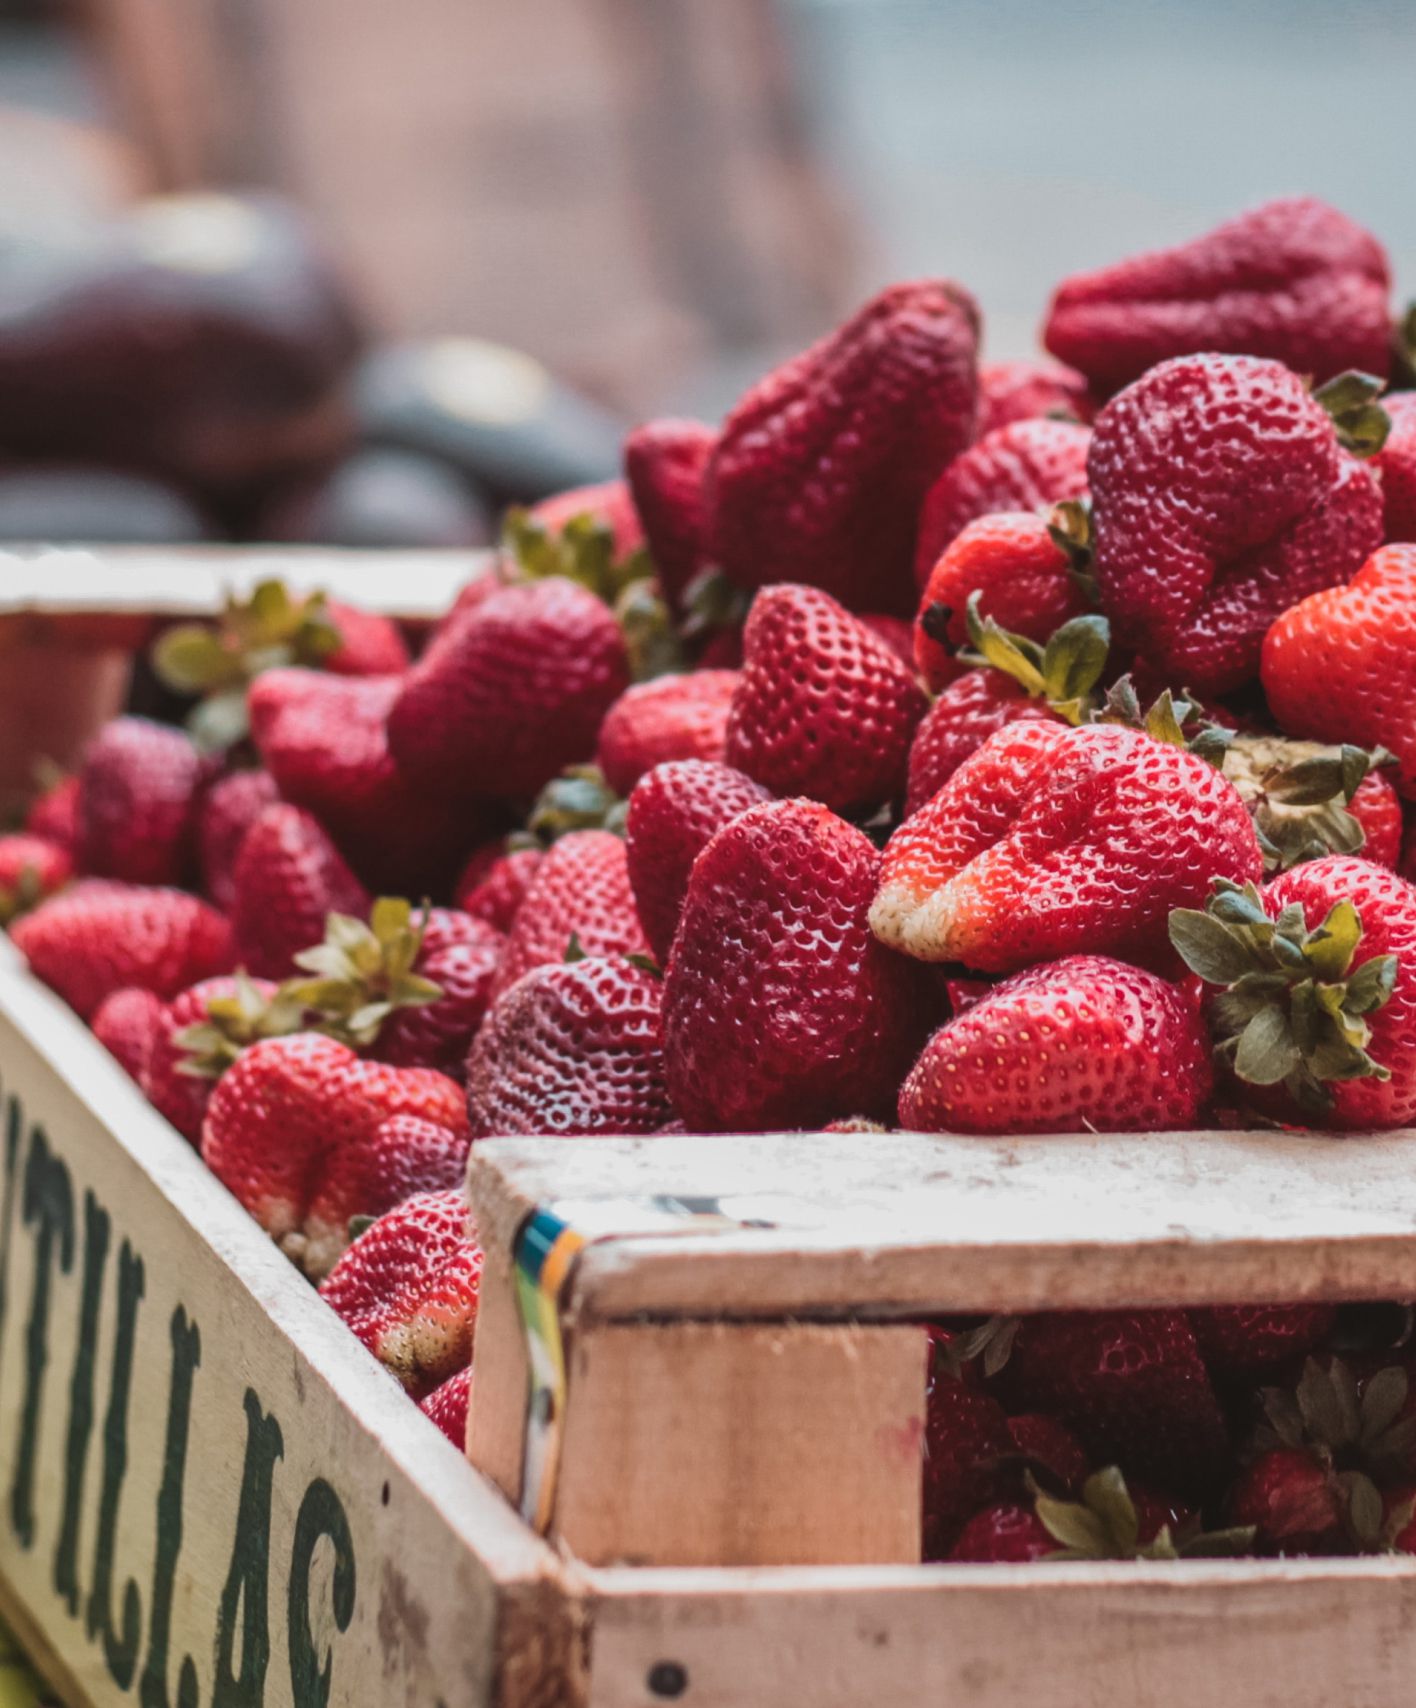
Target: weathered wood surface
209, 1493
907, 1224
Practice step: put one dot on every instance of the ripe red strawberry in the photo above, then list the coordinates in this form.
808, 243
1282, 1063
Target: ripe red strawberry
1051, 841
1082, 1043
1009, 1532
408, 1289
227, 811
323, 739
609, 503
968, 711
1317, 1015
1024, 390
780, 1009
581, 890
1030, 465
494, 882
966, 1435
1111, 1521
125, 1023
31, 869
896, 632
1294, 280
1220, 497
1023, 579
1307, 800
512, 693
199, 1034
672, 717
1341, 665
448, 1406
820, 470
137, 799
301, 1131
673, 812
1251, 1340
1047, 1444
1291, 1501
823, 708
369, 643
576, 1049
1399, 1515
54, 815
666, 463
1396, 464
101, 936
1131, 1384
288, 879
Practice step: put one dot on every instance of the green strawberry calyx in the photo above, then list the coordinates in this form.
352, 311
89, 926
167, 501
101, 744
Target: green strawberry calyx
1064, 672
579, 799
991, 1341
1294, 1003
1359, 420
1069, 524
1298, 794
364, 971
208, 1047
1103, 1525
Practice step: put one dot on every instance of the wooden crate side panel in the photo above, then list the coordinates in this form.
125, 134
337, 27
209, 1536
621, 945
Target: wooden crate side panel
208, 1492
709, 1443
497, 1415
1308, 1634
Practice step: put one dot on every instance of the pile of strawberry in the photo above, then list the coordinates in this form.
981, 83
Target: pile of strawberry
983, 748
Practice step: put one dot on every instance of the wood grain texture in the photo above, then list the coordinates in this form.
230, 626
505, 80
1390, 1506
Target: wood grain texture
730, 1444
907, 1224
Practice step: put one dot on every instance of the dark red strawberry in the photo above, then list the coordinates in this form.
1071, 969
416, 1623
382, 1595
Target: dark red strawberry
448, 1406
968, 711
666, 463
966, 1436
289, 878
1294, 280
1220, 497
101, 936
581, 890
137, 802
126, 1023
1024, 390
1110, 1521
1250, 1340
822, 708
1079, 1044
820, 471
1030, 465
576, 1049
673, 812
228, 810
31, 870
780, 1009
672, 717
1046, 1445
408, 1287
1009, 1532
513, 693
197, 1037
494, 882
1395, 463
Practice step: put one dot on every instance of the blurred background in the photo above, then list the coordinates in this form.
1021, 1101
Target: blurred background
485, 234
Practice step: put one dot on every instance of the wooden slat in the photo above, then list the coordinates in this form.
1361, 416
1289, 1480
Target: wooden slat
908, 1224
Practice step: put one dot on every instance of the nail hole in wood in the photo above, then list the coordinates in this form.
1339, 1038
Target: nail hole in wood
668, 1679
384, 1497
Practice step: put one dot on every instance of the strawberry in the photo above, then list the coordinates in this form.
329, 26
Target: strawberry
820, 470
1131, 1384
896, 632
448, 1406
672, 717
408, 1288
1221, 496
1341, 665
1290, 1500
404, 990
31, 870
1399, 1514
575, 1048
513, 693
1049, 1447
1317, 1014
101, 936
1109, 1522
780, 1009
302, 1132
288, 878
1293, 280
965, 1437
1248, 1340
608, 504
1396, 464
1023, 580
199, 1034
494, 882
137, 802
1307, 800
1024, 390
227, 811
968, 711
1051, 840
323, 739
54, 815
673, 812
666, 463
1029, 465
1008, 1532
822, 708
369, 644
1082, 1043
126, 1023
580, 890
